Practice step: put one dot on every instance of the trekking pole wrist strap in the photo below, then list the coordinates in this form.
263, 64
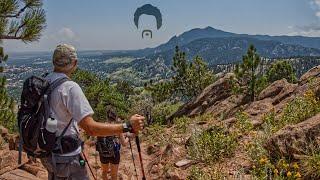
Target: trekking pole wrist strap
127, 127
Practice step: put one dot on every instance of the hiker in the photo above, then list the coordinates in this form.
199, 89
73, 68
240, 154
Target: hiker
109, 148
71, 110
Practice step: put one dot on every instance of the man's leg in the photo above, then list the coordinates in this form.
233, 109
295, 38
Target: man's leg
77, 171
66, 168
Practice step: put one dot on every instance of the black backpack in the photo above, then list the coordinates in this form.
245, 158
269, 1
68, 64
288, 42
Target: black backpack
107, 146
33, 114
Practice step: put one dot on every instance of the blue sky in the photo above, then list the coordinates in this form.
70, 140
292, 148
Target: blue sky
108, 24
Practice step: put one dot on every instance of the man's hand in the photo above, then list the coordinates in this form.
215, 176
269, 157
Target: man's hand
137, 122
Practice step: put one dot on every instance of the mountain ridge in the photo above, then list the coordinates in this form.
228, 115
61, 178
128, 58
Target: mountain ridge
199, 33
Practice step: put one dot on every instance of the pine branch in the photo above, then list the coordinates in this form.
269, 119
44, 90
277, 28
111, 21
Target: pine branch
18, 29
10, 37
17, 15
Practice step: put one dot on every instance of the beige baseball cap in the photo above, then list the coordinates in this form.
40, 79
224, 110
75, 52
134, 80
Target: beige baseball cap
63, 56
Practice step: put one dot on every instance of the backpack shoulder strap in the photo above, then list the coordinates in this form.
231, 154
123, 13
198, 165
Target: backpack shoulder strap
65, 129
56, 83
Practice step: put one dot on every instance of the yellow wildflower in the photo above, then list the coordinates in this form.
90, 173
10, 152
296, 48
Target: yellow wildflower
263, 160
285, 165
295, 165
275, 171
289, 174
298, 175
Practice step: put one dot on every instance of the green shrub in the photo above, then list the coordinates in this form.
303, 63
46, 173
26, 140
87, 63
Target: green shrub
212, 145
213, 173
181, 124
295, 112
162, 111
279, 70
270, 124
199, 174
204, 117
311, 166
243, 122
156, 134
300, 109
264, 168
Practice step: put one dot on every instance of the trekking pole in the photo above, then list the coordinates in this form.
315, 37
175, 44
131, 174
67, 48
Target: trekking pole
140, 157
134, 164
85, 158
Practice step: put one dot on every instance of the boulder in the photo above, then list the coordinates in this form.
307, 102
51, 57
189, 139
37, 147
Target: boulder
312, 73
18, 174
294, 140
278, 91
226, 108
3, 131
257, 110
33, 169
13, 141
218, 91
273, 89
9, 160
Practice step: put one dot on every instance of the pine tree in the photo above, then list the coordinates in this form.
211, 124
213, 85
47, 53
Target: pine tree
246, 73
189, 79
20, 20
180, 68
281, 69
7, 105
199, 77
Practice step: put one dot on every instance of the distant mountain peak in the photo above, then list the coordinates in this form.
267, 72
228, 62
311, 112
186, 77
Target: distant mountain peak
210, 32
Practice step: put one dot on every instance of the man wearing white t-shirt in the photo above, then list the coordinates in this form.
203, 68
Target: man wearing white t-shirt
71, 109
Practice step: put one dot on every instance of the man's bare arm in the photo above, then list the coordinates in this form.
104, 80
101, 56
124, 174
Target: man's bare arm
94, 128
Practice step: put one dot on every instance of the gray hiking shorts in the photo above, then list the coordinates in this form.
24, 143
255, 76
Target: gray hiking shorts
67, 168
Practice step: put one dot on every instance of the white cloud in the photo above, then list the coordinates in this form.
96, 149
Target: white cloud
312, 30
67, 33
315, 4
48, 41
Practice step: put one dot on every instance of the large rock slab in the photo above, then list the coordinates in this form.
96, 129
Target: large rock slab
295, 140
278, 91
18, 174
9, 160
227, 107
257, 110
312, 73
216, 92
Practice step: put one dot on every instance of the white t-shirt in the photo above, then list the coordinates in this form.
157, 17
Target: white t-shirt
67, 102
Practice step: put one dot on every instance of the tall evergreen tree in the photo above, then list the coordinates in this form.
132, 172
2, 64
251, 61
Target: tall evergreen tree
247, 72
189, 79
19, 20
7, 105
